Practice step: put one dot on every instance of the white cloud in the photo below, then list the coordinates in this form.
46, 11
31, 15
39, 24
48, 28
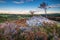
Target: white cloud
29, 0
18, 2
54, 6
22, 1
13, 12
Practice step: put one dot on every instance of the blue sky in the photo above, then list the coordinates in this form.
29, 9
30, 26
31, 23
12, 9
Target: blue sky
22, 6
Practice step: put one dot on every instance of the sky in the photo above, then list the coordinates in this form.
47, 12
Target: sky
25, 6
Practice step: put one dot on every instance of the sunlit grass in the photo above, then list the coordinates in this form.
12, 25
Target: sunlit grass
58, 24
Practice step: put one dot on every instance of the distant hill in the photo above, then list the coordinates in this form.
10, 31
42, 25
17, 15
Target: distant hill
55, 16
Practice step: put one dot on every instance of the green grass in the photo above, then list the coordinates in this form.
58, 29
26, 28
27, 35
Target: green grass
58, 24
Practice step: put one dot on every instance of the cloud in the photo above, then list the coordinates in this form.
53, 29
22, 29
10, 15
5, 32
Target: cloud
13, 12
29, 0
22, 1
54, 6
18, 2
2, 1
